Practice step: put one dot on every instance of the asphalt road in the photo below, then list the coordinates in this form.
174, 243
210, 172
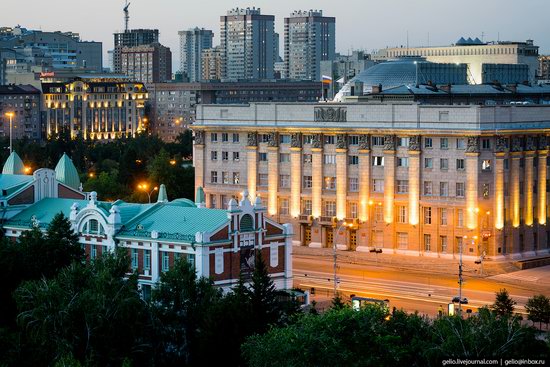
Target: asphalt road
407, 289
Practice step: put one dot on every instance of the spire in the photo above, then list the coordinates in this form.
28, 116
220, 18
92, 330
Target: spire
14, 165
199, 198
65, 172
163, 196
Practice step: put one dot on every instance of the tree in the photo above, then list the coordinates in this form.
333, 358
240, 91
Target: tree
538, 309
167, 170
504, 305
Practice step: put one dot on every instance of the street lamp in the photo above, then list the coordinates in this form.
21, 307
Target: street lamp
10, 115
145, 187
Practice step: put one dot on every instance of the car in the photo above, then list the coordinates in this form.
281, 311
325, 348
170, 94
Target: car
456, 299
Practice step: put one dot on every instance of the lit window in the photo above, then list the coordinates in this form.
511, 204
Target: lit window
330, 183
330, 208
236, 178
427, 242
306, 207
486, 165
352, 210
443, 217
427, 215
402, 214
377, 161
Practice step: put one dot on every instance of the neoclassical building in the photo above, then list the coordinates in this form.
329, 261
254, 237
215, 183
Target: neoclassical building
406, 178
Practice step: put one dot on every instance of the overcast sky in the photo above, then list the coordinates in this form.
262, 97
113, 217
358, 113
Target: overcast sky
360, 24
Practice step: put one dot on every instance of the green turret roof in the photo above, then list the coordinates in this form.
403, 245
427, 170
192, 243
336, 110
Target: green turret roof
65, 172
163, 196
14, 165
199, 198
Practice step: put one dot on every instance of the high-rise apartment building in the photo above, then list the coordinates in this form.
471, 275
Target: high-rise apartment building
23, 103
247, 44
131, 38
192, 44
211, 64
309, 39
147, 63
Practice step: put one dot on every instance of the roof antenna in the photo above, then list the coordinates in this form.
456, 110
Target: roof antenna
126, 15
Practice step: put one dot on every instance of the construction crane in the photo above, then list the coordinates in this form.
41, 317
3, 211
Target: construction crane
126, 16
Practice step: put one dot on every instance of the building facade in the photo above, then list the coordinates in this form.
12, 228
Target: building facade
24, 102
544, 68
102, 109
212, 64
131, 38
475, 54
309, 39
344, 68
421, 180
147, 63
192, 44
247, 44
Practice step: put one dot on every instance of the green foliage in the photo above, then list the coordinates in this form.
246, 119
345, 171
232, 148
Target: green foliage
504, 305
107, 185
538, 309
337, 303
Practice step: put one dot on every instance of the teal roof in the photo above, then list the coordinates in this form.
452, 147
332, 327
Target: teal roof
44, 211
65, 172
14, 165
12, 183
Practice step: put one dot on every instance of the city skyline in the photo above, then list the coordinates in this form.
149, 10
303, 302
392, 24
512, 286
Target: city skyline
393, 26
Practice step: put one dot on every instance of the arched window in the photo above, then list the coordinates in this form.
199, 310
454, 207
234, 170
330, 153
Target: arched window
93, 227
247, 223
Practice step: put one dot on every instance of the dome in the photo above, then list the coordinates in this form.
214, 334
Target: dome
392, 73
14, 165
65, 172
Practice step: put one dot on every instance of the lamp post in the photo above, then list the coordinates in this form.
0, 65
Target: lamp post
334, 255
144, 187
10, 115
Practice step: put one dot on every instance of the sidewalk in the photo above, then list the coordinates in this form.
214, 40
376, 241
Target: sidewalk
411, 263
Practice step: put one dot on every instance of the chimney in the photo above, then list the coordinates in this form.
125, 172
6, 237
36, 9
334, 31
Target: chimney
377, 89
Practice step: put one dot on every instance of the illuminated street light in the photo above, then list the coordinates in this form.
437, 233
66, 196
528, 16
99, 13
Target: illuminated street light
10, 115
145, 187
173, 162
27, 169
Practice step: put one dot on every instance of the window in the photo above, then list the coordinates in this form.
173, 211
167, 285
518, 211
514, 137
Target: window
428, 142
460, 218
377, 161
308, 139
214, 137
353, 184
485, 191
330, 208
236, 178
486, 165
428, 188
485, 144
377, 140
284, 157
403, 142
214, 177
213, 155
306, 207
460, 188
93, 251
427, 242
329, 139
444, 164
284, 181
460, 144
459, 243
402, 162
165, 261
225, 201
264, 138
444, 143
283, 206
330, 183
262, 157
443, 189
403, 240
236, 156
443, 242
460, 164
263, 179
353, 160
377, 185
402, 186
353, 139
135, 258
402, 214
307, 182
235, 138
443, 217
329, 159
427, 215
225, 178
225, 137
225, 156
352, 210
147, 259
379, 213
307, 158
284, 139
428, 163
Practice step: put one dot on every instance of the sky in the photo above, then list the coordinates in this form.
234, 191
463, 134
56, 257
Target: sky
360, 24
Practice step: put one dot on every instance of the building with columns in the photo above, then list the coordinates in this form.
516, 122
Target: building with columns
408, 178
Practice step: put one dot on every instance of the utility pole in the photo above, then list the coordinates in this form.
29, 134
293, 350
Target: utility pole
460, 279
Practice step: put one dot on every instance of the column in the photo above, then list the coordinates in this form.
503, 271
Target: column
364, 177
414, 179
272, 173
542, 185
528, 187
295, 180
514, 189
472, 172
198, 158
341, 176
389, 177
317, 181
499, 190
252, 169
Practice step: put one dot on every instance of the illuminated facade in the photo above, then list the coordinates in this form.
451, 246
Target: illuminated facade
409, 178
100, 109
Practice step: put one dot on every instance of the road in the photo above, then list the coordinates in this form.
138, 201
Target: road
407, 289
